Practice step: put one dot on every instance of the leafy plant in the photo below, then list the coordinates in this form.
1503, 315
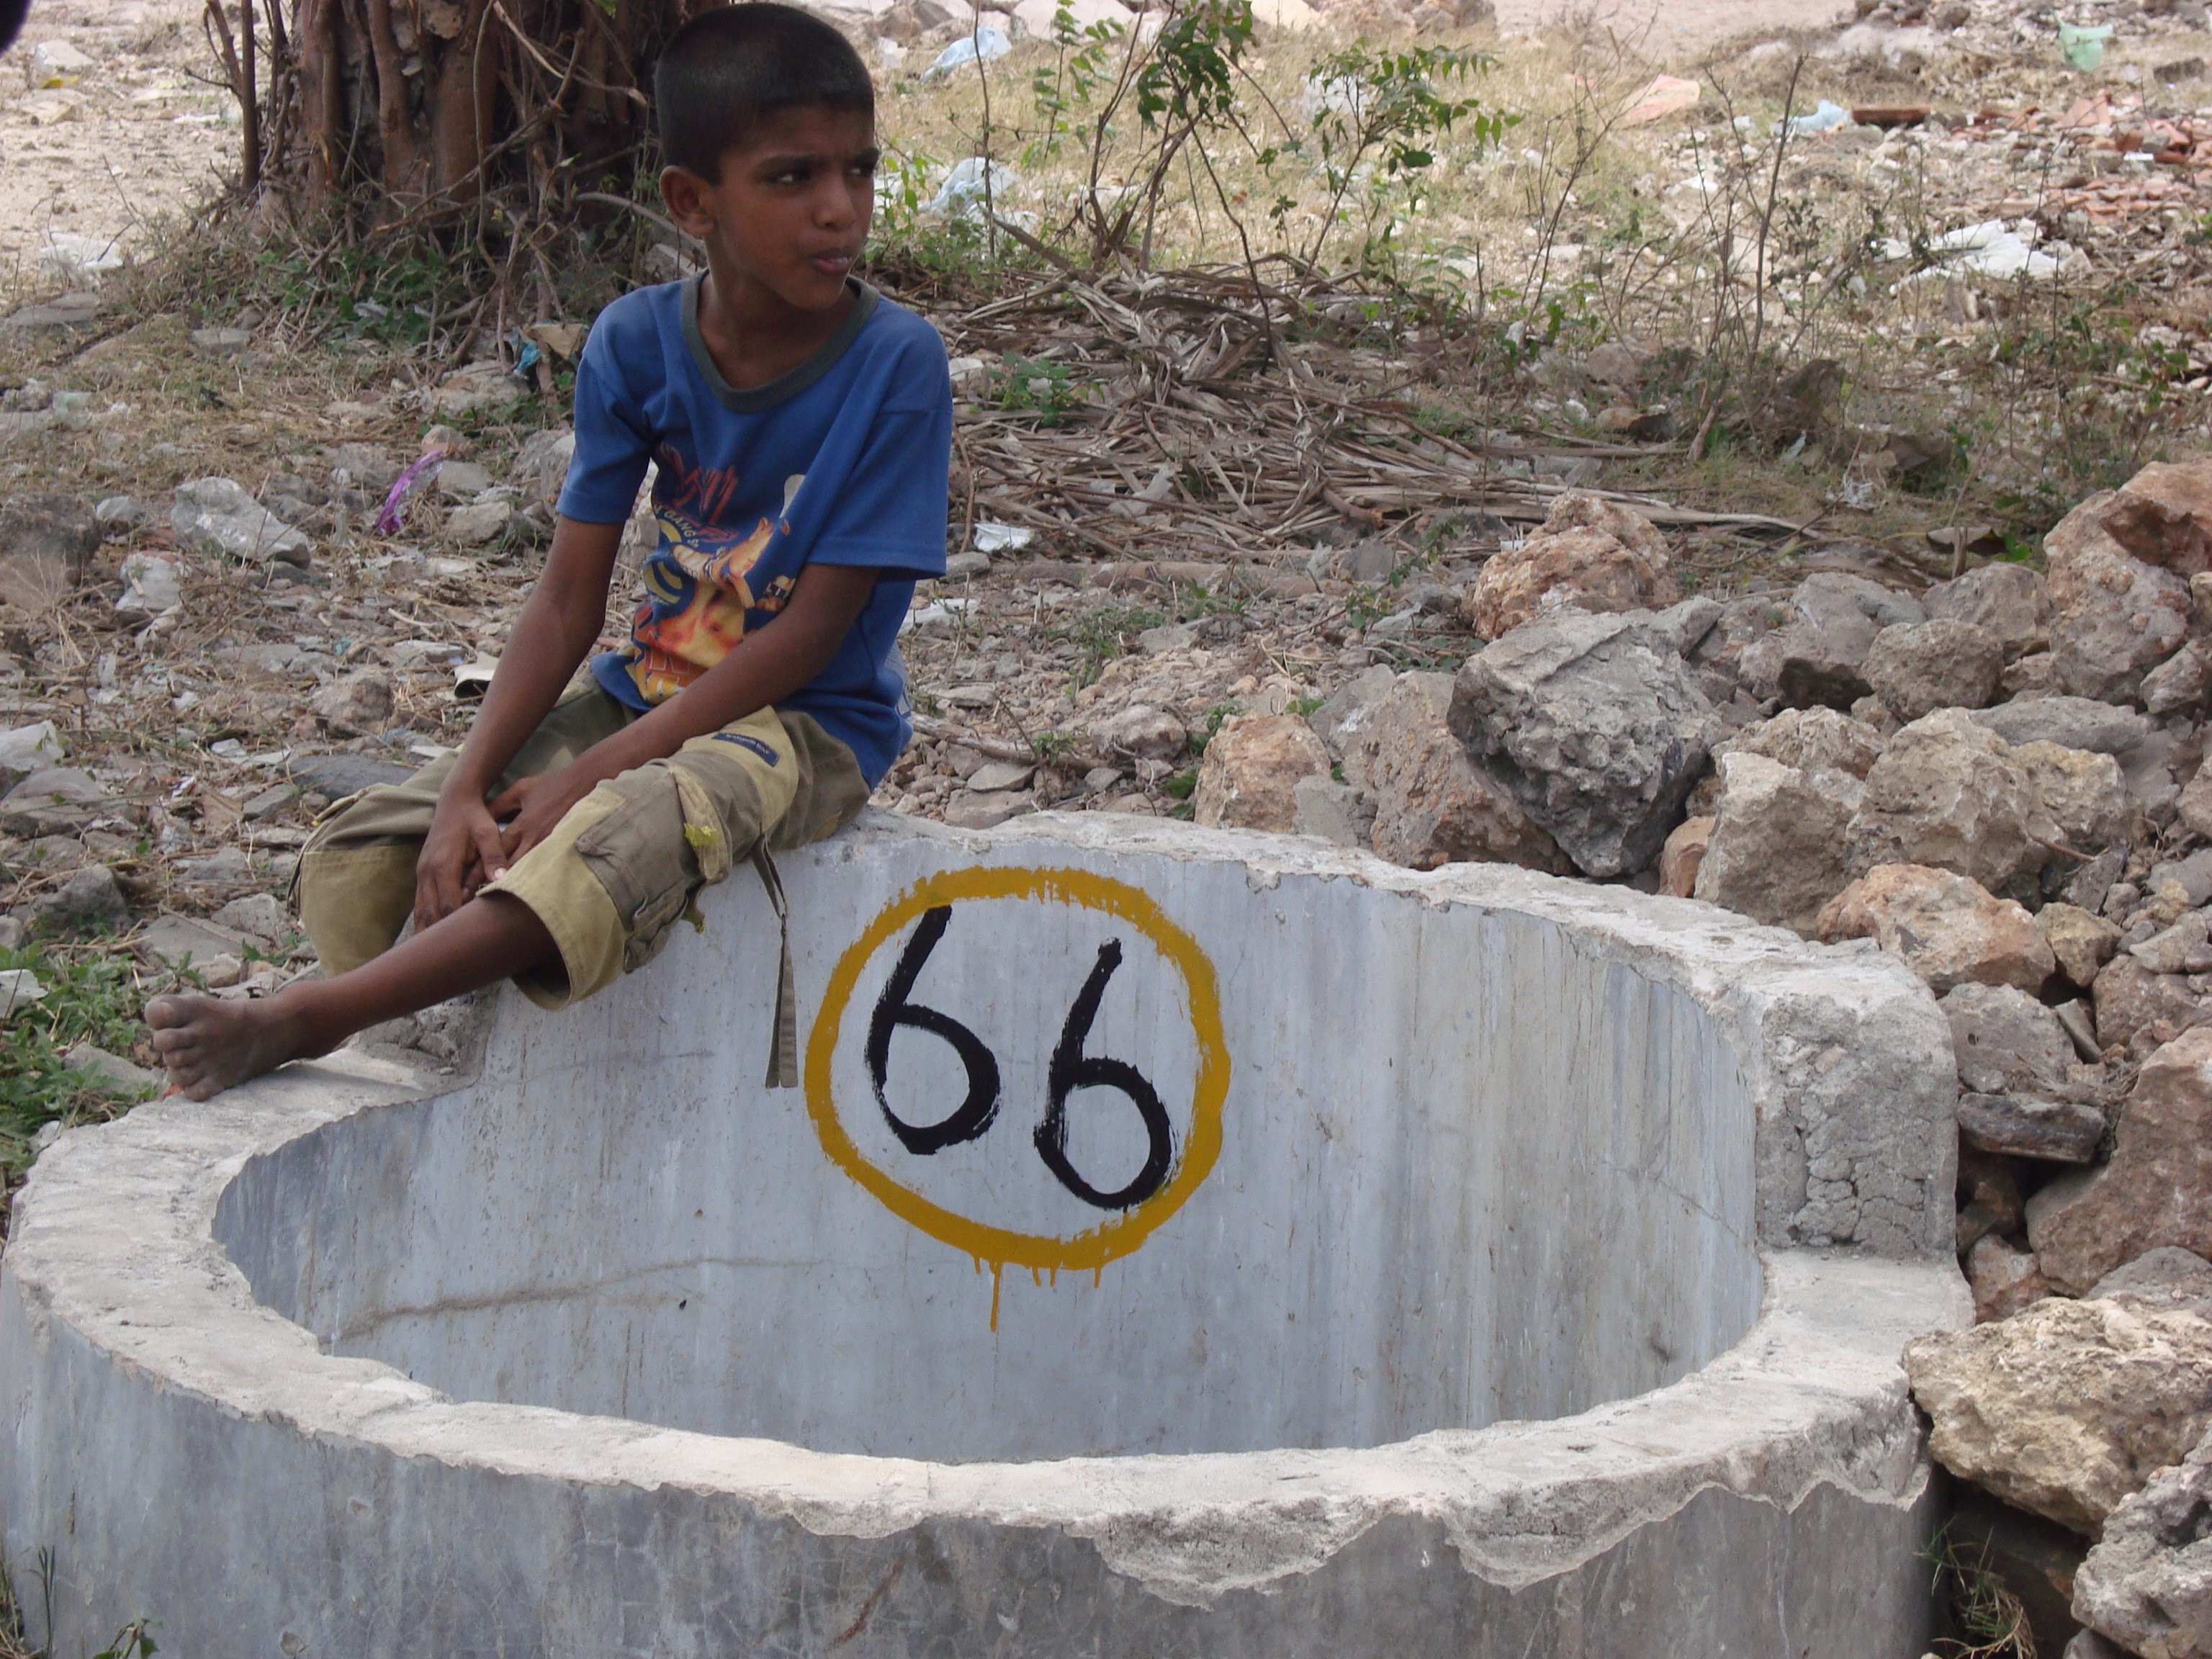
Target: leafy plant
1036, 384
1101, 634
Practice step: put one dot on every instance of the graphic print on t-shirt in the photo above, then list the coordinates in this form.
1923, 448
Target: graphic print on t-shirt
698, 598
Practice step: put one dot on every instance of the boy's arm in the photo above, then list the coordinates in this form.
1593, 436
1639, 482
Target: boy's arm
766, 666
558, 625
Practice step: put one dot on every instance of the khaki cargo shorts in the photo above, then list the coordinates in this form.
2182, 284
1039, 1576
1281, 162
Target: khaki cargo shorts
620, 869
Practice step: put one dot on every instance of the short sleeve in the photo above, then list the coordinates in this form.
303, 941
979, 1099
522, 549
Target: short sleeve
613, 442
891, 513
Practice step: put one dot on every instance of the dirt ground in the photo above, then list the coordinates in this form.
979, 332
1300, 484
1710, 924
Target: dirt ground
134, 139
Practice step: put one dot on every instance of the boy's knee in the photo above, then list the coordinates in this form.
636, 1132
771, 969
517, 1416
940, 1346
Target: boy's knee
354, 900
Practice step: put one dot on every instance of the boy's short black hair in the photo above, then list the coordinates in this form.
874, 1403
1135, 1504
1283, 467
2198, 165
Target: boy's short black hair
727, 71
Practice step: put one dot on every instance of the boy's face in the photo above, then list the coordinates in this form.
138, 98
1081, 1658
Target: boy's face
792, 205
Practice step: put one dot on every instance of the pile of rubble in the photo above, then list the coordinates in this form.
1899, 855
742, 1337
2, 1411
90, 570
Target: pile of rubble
1996, 780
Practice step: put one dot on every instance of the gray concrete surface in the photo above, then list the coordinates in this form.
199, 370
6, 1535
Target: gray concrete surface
1540, 1290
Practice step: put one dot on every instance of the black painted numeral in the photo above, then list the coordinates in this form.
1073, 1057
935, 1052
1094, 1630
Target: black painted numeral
1072, 1069
893, 1010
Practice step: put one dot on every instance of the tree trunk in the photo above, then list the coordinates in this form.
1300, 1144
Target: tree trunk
419, 109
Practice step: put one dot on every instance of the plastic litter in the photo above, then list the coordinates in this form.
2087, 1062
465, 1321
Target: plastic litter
1990, 249
1001, 537
937, 615
421, 471
1826, 117
2083, 48
150, 585
57, 64
985, 43
963, 193
18, 988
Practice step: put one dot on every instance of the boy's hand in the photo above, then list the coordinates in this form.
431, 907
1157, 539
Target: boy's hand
460, 854
532, 807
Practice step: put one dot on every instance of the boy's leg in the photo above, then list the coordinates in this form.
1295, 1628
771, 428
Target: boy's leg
357, 870
596, 898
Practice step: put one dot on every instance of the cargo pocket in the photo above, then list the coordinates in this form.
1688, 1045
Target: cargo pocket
640, 853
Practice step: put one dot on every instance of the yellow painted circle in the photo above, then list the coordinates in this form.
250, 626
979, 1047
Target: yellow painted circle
1201, 1145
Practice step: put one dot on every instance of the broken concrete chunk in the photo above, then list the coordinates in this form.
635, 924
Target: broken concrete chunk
2156, 1190
1251, 770
2148, 1583
1948, 792
2009, 600
2114, 618
1776, 852
1916, 668
1433, 802
1597, 727
1947, 928
219, 516
2065, 1409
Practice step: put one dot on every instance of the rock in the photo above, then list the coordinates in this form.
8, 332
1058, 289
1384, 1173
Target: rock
2156, 1190
1338, 722
1813, 740
118, 515
462, 481
1597, 727
2163, 515
1251, 770
2192, 875
2168, 1280
1434, 804
1948, 792
2103, 728
2114, 618
2180, 684
223, 342
2009, 600
1819, 656
354, 706
218, 516
2087, 1644
2019, 1126
2184, 948
971, 810
225, 870
1776, 853
27, 748
485, 521
2005, 1040
20, 988
89, 902
2131, 1000
2085, 793
1691, 621
541, 465
1682, 855
151, 585
2065, 1409
1170, 636
1370, 562
993, 776
339, 776
2081, 942
46, 544
259, 916
2029, 677
1992, 1192
1589, 553
365, 468
1142, 730
2004, 1279
1946, 928
1919, 667
2194, 805
1334, 811
2148, 1583
179, 939
111, 1072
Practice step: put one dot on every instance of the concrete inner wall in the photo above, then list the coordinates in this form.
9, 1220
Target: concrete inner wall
1471, 1168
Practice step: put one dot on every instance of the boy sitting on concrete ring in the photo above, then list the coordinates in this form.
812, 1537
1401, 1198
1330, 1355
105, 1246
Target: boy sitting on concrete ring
802, 427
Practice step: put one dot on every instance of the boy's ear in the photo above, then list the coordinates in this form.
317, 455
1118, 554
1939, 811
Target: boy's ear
687, 194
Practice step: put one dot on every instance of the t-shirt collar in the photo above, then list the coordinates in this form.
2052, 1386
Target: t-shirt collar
792, 381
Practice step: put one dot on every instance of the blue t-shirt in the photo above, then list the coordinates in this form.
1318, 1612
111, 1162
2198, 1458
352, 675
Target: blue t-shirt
842, 460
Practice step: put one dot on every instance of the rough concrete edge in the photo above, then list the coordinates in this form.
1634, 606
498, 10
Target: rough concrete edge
1813, 1395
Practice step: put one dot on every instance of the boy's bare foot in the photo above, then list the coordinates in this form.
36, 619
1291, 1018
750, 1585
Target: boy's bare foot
210, 1045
